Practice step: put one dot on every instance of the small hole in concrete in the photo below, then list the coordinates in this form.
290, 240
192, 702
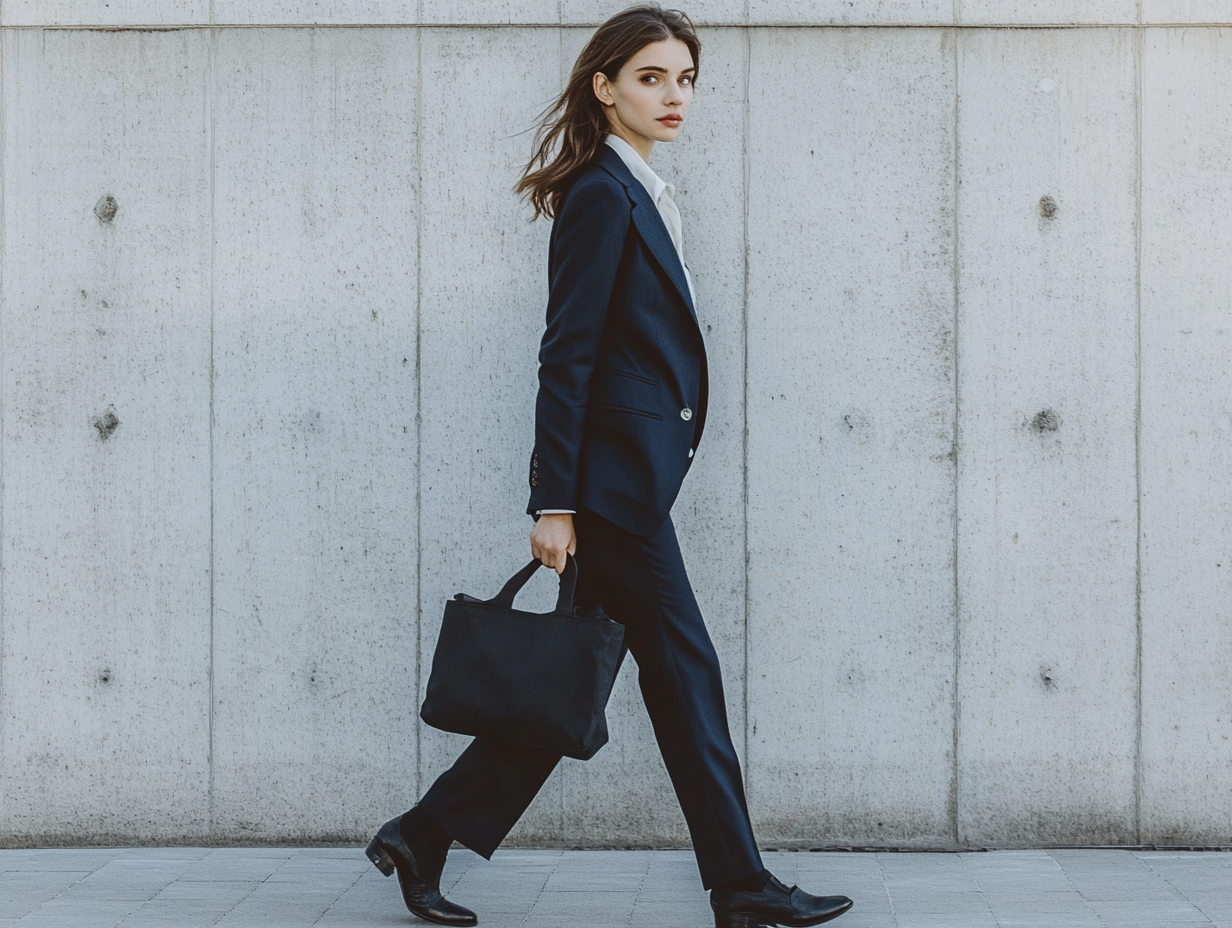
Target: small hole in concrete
106, 208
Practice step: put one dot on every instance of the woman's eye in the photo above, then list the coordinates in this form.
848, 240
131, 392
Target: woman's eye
649, 79
686, 81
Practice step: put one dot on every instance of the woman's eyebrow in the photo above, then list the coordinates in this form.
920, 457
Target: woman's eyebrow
655, 67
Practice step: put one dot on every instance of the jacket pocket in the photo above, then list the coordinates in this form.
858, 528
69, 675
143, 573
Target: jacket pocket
627, 393
632, 376
627, 409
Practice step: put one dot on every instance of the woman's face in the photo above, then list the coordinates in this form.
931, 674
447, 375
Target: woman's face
648, 100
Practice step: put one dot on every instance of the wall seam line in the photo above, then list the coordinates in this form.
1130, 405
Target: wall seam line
844, 27
565, 72
419, 209
1138, 104
212, 90
4, 279
955, 782
744, 411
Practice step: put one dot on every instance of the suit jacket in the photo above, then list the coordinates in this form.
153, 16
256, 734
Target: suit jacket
622, 367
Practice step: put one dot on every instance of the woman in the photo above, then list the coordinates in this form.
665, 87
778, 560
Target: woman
620, 411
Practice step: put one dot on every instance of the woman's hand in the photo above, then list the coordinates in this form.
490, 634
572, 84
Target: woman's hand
551, 538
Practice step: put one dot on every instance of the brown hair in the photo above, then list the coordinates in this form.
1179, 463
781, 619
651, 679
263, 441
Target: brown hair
571, 131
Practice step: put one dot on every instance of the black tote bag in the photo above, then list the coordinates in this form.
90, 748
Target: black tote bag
525, 677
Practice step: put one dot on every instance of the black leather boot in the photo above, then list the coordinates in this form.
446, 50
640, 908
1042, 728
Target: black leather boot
774, 904
421, 888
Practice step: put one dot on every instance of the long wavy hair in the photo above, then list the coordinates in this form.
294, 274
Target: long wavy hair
571, 131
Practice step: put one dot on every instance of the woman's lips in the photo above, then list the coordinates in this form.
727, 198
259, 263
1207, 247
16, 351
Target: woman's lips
672, 121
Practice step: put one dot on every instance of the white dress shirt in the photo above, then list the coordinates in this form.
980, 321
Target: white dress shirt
661, 194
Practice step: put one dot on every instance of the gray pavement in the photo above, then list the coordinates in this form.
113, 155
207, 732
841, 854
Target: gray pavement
339, 888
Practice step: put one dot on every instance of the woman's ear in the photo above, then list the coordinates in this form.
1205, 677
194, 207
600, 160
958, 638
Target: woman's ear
603, 88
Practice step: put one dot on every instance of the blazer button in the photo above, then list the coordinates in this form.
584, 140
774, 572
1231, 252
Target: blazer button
686, 414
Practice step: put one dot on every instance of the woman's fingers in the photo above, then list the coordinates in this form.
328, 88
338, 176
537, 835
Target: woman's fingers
551, 538
549, 557
552, 556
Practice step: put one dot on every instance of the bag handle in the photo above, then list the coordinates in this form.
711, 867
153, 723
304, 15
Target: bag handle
568, 584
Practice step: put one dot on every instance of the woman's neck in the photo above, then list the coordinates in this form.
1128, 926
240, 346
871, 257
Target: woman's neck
639, 143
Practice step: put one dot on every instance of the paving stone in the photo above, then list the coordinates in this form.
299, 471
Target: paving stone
25, 882
220, 891
90, 913
964, 920
940, 902
573, 881
1029, 919
1148, 913
231, 869
159, 913
70, 859
167, 853
585, 905
570, 921
1114, 886
323, 868
337, 888
1041, 902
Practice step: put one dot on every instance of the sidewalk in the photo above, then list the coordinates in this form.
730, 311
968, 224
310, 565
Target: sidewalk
339, 888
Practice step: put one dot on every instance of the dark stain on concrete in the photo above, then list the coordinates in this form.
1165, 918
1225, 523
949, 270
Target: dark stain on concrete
104, 676
106, 424
1047, 207
1048, 678
1046, 420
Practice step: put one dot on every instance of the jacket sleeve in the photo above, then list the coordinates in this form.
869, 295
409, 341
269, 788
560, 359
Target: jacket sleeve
588, 240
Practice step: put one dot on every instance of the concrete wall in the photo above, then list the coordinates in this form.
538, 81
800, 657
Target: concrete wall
961, 525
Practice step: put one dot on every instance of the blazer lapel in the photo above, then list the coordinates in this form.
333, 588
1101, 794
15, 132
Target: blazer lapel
650, 226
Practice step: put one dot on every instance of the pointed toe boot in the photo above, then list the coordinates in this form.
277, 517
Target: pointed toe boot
420, 891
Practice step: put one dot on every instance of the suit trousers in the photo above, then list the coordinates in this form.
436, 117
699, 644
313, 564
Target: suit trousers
641, 583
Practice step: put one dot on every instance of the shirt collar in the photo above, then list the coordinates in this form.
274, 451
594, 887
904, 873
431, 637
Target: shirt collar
638, 167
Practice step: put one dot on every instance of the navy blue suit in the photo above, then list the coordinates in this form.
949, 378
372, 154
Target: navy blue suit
621, 360
622, 369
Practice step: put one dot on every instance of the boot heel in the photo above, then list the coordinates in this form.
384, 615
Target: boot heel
380, 857
739, 920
